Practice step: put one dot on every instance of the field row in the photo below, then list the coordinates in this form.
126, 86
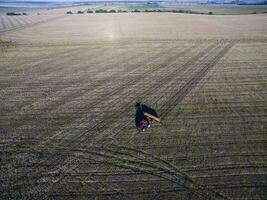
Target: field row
68, 131
13, 22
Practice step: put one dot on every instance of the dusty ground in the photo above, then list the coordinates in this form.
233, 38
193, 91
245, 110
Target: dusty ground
142, 26
67, 93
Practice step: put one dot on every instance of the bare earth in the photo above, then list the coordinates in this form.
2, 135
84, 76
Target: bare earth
142, 26
68, 89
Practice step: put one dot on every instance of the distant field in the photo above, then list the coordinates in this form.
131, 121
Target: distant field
143, 26
68, 89
218, 9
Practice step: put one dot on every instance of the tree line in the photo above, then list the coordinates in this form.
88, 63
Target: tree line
138, 11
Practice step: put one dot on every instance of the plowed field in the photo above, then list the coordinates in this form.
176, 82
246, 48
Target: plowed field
67, 111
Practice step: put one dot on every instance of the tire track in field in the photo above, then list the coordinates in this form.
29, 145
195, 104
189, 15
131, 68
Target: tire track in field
220, 167
58, 105
82, 153
194, 80
190, 84
131, 82
117, 91
124, 157
105, 95
223, 145
148, 160
183, 79
72, 94
179, 96
167, 79
112, 193
115, 103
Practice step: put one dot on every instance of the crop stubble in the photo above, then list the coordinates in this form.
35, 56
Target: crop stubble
67, 120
